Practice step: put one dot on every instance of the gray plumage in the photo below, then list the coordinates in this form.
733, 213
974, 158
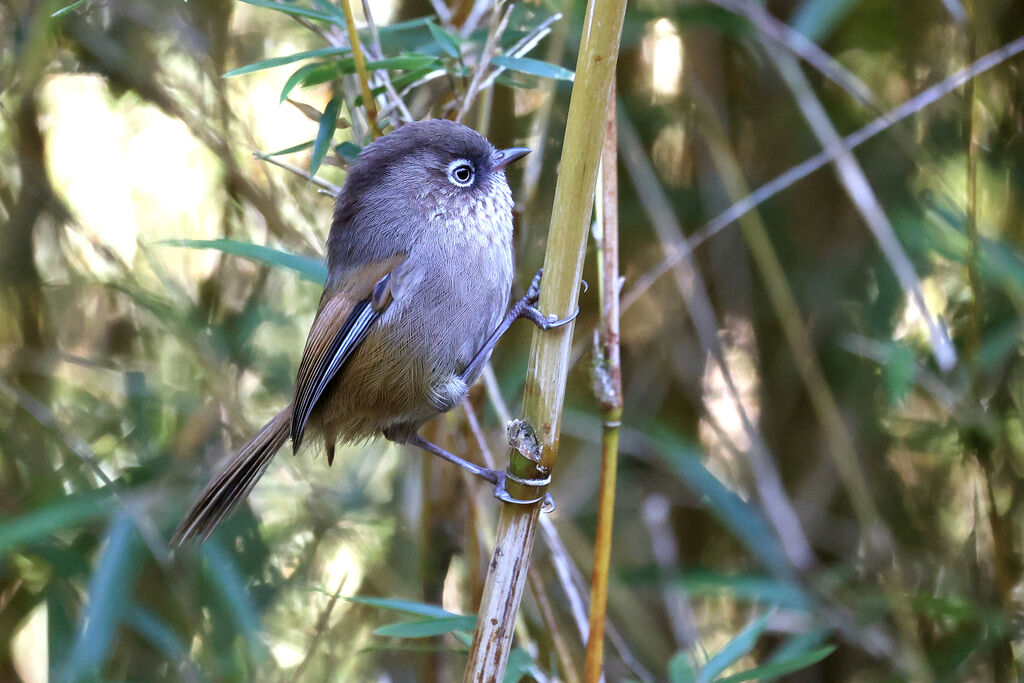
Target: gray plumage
423, 258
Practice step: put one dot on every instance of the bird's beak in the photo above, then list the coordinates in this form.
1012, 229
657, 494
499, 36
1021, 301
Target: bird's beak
504, 157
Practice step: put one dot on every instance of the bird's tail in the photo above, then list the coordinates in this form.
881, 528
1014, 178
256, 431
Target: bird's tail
226, 492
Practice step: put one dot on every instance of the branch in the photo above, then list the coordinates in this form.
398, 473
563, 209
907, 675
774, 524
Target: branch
549, 359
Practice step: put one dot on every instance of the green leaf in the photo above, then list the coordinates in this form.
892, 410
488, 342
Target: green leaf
300, 74
746, 586
332, 10
287, 59
159, 634
348, 150
421, 609
816, 19
61, 515
519, 664
405, 62
328, 124
736, 648
899, 372
741, 518
309, 268
290, 150
444, 40
508, 80
64, 10
680, 669
427, 628
780, 668
292, 8
230, 588
110, 590
534, 67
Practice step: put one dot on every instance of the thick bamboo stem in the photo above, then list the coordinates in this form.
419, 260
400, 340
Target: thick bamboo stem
549, 357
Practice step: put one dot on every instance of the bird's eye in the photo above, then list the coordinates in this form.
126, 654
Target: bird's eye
461, 173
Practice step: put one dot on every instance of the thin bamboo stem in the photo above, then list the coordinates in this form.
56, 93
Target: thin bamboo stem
608, 389
549, 358
369, 104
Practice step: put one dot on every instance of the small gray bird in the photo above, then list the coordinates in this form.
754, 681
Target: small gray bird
419, 272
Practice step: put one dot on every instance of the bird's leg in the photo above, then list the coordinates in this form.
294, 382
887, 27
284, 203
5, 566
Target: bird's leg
524, 308
495, 477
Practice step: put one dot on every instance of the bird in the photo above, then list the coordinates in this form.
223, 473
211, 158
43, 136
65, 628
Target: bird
420, 270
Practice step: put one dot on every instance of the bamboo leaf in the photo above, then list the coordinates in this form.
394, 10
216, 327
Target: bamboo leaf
534, 67
816, 19
781, 668
444, 40
286, 59
736, 648
680, 669
229, 586
404, 606
64, 10
301, 73
520, 665
292, 8
428, 627
290, 150
60, 515
348, 150
744, 521
405, 62
328, 123
309, 268
110, 590
745, 586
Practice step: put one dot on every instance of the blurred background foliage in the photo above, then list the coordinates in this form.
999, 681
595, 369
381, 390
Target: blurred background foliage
804, 486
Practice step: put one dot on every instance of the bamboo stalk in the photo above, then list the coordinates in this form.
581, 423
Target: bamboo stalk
369, 104
608, 390
549, 356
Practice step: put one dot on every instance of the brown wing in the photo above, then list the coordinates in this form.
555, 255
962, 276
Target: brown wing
346, 315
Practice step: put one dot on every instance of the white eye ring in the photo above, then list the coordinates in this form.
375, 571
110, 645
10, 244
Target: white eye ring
461, 173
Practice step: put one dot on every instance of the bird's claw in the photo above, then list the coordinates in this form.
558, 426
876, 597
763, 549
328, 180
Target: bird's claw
546, 322
533, 291
502, 494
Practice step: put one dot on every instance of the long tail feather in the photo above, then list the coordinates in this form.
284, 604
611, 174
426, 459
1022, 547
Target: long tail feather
226, 492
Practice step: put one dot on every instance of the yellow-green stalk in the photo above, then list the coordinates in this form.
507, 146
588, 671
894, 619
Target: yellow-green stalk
549, 355
607, 388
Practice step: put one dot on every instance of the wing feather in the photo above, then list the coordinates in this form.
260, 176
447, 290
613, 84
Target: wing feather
342, 323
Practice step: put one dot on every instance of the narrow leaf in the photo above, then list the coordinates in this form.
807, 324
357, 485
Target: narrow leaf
534, 67
229, 587
292, 8
309, 268
110, 589
816, 19
328, 122
742, 519
348, 150
405, 62
289, 150
300, 74
444, 40
421, 609
519, 665
60, 515
680, 669
427, 627
736, 648
781, 668
286, 59
64, 10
